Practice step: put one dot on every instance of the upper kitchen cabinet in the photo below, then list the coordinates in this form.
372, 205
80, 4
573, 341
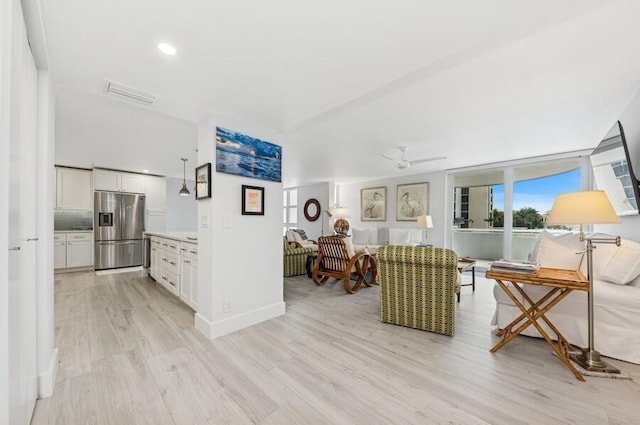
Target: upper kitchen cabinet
73, 189
118, 181
156, 190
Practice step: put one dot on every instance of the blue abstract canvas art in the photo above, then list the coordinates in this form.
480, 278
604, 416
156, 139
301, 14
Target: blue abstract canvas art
246, 156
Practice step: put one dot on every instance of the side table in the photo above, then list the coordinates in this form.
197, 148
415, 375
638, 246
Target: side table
464, 265
560, 284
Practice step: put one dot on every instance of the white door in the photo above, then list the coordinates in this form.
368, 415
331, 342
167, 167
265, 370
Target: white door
22, 355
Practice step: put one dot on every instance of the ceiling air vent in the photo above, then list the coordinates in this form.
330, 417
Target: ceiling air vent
125, 92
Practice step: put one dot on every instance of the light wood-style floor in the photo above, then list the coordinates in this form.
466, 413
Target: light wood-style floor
129, 355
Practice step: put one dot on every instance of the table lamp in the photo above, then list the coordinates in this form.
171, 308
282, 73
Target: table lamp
587, 207
341, 226
424, 222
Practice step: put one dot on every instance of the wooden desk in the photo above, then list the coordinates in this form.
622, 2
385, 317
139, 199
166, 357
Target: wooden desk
560, 283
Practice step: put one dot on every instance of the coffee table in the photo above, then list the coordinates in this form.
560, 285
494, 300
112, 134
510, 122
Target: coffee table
560, 283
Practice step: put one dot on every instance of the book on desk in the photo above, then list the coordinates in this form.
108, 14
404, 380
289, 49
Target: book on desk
515, 266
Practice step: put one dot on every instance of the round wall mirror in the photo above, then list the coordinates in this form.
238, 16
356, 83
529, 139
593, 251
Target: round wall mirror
312, 209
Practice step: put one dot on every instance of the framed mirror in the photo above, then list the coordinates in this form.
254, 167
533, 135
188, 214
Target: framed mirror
312, 209
613, 172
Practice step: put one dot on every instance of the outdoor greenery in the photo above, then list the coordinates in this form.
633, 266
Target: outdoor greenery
526, 217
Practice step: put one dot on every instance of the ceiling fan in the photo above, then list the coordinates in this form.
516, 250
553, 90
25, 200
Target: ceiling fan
403, 163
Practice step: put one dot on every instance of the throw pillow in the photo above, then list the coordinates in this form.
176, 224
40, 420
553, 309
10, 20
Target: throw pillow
297, 238
351, 251
302, 234
399, 237
290, 236
361, 236
624, 265
556, 255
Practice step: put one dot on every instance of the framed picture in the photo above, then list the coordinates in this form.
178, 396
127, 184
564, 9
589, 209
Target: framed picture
203, 181
252, 200
246, 156
373, 204
412, 200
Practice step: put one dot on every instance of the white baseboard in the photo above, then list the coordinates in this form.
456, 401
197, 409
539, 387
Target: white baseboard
121, 270
203, 326
222, 327
47, 380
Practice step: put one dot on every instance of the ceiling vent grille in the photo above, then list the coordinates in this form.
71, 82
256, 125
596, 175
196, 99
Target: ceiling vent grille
129, 93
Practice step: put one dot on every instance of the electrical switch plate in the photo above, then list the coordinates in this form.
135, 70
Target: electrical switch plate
204, 221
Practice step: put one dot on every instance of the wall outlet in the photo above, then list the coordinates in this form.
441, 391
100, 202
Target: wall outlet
226, 305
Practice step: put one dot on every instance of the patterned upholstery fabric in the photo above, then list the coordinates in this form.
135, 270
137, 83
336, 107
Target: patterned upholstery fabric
295, 259
418, 286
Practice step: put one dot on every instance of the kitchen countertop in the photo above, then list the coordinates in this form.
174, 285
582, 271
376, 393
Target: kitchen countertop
73, 231
178, 236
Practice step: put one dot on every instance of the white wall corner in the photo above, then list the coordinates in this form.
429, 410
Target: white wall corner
246, 319
47, 378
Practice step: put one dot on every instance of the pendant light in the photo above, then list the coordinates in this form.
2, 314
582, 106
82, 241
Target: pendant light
184, 191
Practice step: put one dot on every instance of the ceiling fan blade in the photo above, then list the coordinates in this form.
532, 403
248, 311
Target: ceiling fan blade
387, 157
420, 161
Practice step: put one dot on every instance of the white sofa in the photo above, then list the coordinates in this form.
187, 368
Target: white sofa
616, 295
370, 238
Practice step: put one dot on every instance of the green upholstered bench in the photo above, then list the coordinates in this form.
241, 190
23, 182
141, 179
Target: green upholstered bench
418, 287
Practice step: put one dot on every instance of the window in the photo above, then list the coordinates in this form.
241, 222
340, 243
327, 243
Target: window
289, 210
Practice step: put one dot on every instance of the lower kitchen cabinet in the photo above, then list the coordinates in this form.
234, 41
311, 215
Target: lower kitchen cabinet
72, 250
175, 266
189, 282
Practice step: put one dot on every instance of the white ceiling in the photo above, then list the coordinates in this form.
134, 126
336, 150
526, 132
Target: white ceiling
342, 81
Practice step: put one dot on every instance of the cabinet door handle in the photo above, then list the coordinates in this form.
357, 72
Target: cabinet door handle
183, 249
165, 260
193, 252
172, 263
173, 246
15, 248
32, 239
187, 261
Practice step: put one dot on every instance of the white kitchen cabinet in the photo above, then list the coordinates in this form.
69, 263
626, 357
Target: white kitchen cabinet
189, 274
131, 182
59, 251
155, 269
156, 190
118, 181
73, 249
79, 249
74, 190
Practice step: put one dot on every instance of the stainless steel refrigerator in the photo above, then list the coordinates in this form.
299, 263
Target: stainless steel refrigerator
118, 229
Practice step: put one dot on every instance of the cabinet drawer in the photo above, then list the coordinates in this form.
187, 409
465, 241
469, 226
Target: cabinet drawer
189, 250
73, 237
170, 263
156, 241
59, 237
171, 246
171, 281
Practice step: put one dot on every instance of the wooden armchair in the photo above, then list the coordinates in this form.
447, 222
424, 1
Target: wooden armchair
338, 259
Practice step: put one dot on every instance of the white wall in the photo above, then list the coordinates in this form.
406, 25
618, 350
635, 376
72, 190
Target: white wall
323, 192
349, 196
182, 211
239, 257
629, 227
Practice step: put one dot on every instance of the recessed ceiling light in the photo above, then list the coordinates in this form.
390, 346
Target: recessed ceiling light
167, 49
145, 171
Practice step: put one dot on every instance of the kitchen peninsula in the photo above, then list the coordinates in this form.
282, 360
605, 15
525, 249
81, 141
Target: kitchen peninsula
174, 263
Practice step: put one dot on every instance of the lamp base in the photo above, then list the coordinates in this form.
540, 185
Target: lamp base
590, 360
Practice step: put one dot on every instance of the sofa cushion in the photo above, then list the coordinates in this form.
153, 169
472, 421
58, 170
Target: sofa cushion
624, 265
365, 236
558, 254
302, 234
399, 236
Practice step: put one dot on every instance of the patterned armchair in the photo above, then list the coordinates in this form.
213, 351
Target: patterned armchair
418, 287
295, 259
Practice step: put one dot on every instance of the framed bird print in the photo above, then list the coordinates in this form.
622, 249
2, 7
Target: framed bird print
412, 200
373, 204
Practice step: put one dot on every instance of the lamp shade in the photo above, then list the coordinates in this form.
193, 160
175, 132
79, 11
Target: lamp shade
341, 212
424, 222
586, 207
